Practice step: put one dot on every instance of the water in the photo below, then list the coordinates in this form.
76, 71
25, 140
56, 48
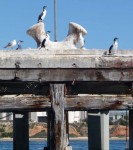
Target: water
76, 145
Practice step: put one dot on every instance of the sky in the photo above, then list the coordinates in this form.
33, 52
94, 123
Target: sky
103, 20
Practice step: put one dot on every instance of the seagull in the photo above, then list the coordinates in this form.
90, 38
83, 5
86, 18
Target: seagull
114, 47
19, 45
81, 41
47, 38
11, 44
42, 15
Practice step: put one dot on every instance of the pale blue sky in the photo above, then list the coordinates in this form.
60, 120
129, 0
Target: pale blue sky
103, 19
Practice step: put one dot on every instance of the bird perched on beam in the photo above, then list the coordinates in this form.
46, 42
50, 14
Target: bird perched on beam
11, 44
81, 41
47, 38
19, 45
42, 15
114, 47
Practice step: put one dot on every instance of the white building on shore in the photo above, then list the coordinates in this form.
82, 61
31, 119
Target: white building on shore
74, 116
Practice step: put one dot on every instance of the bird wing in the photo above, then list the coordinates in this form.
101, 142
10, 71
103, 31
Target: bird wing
39, 17
110, 48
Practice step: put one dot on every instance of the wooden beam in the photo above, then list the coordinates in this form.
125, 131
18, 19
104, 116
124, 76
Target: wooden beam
75, 88
71, 102
16, 87
25, 103
65, 75
64, 59
71, 88
90, 102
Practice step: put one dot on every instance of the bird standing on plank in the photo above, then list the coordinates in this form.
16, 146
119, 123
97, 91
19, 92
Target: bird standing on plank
42, 15
114, 47
81, 41
11, 44
47, 38
19, 45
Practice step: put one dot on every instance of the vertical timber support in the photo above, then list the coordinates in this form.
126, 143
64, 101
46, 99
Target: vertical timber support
98, 131
131, 129
67, 127
105, 130
20, 131
131, 125
57, 98
51, 131
48, 131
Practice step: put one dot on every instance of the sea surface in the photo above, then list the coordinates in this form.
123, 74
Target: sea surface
76, 145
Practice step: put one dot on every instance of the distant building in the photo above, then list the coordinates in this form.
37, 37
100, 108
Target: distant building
116, 115
74, 116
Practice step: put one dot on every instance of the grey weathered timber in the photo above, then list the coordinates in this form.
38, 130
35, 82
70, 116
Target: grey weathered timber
109, 102
57, 99
65, 74
71, 102
27, 102
64, 59
20, 131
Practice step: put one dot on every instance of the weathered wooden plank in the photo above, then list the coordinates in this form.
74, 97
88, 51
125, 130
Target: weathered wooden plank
16, 87
72, 88
65, 75
90, 102
64, 59
57, 98
71, 102
27, 103
98, 88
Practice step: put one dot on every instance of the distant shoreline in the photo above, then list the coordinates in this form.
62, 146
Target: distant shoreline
74, 138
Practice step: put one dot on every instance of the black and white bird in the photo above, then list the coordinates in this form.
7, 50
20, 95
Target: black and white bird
114, 47
47, 38
42, 15
81, 41
11, 44
19, 44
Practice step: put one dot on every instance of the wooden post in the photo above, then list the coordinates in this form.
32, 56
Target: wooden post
131, 125
57, 98
48, 129
104, 116
67, 126
94, 131
51, 131
20, 131
98, 130
48, 132
131, 129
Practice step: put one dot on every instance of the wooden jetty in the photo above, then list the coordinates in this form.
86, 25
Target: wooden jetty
62, 81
